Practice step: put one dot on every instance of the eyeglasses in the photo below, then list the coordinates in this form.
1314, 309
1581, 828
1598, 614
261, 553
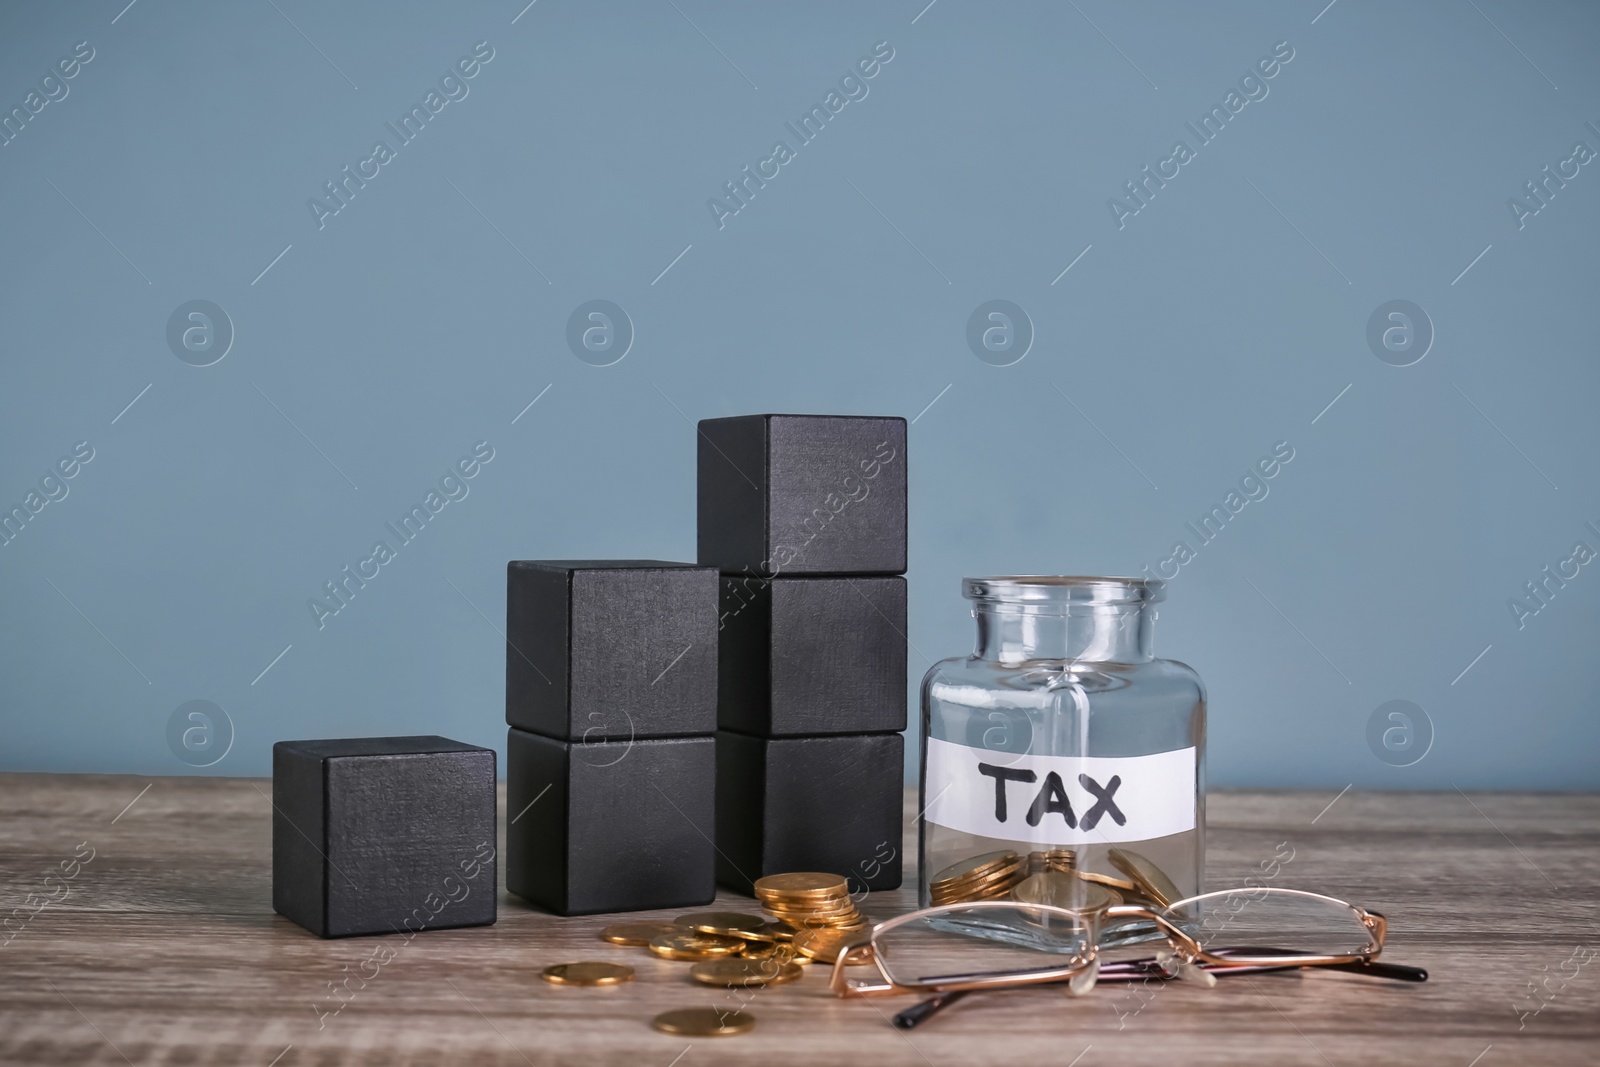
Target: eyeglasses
934, 950
1161, 970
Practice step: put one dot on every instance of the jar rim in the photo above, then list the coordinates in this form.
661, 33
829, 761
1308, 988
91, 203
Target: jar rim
1086, 590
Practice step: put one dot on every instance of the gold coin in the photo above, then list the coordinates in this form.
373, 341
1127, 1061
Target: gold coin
687, 946
994, 891
976, 866
726, 924
1122, 886
704, 1022
763, 950
782, 931
824, 945
986, 876
587, 973
803, 884
952, 889
793, 913
1064, 891
999, 892
800, 922
640, 933
855, 922
1060, 859
796, 916
1151, 881
983, 875
843, 900
745, 973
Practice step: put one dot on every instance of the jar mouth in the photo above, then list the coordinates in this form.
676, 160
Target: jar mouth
1066, 590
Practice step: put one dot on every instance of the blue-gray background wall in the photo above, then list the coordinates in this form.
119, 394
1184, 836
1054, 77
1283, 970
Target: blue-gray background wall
374, 349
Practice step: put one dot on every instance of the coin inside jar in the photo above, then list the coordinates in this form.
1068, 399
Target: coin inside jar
1151, 881
1122, 886
976, 866
637, 933
704, 1022
587, 973
1060, 859
1064, 891
985, 877
745, 973
689, 946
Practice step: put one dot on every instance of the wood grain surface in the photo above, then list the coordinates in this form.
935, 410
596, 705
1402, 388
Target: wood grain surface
163, 949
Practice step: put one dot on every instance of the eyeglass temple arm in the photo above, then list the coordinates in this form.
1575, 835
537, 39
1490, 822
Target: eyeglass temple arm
1373, 968
923, 1011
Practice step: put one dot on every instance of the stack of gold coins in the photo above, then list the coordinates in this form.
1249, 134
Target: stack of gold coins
809, 900
1060, 859
1055, 859
987, 877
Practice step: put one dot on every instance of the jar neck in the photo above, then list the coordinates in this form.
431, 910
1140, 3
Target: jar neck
1015, 633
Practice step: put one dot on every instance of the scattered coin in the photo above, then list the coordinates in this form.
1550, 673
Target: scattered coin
637, 933
772, 950
745, 973
704, 1022
824, 945
726, 924
689, 946
587, 973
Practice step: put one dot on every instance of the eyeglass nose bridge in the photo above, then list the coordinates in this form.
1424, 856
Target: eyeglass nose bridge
1182, 942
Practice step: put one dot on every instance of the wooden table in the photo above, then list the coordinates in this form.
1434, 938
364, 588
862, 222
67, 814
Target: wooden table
165, 949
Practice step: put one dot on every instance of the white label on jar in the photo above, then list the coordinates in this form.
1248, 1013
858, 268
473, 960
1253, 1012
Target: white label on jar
1060, 800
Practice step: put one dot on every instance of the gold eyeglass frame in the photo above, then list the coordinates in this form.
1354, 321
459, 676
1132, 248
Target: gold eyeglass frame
863, 949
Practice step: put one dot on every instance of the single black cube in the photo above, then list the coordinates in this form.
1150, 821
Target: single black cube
602, 650
803, 494
809, 804
379, 835
812, 655
610, 826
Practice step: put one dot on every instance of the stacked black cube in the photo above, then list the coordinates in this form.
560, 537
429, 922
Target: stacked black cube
611, 680
805, 518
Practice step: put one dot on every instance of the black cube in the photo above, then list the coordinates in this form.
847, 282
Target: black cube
611, 649
803, 494
812, 655
610, 826
378, 835
809, 804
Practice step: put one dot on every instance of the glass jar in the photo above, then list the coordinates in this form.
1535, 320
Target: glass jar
1061, 750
